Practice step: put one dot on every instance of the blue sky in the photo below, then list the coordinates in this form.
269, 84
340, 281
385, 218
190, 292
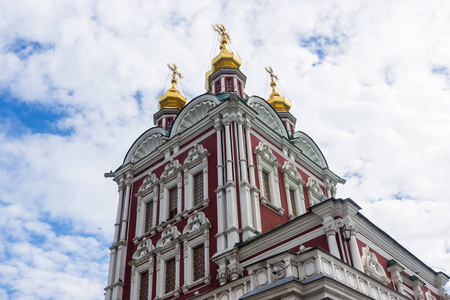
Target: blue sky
80, 80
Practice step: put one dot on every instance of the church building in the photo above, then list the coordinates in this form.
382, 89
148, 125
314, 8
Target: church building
226, 199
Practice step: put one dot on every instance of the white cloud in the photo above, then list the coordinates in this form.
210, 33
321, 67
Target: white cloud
376, 103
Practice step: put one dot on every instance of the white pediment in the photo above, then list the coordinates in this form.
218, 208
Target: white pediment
147, 146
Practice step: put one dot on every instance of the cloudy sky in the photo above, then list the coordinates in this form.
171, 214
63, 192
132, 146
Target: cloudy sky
79, 82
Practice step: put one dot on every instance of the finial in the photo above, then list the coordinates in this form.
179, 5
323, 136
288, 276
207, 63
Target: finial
174, 69
278, 102
224, 37
273, 77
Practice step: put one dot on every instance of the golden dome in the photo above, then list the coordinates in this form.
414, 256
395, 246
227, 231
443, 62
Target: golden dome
226, 58
278, 102
172, 98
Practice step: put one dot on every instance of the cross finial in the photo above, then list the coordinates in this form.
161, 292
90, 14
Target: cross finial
224, 37
273, 77
174, 69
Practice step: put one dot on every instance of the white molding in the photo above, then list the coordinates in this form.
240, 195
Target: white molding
267, 162
371, 237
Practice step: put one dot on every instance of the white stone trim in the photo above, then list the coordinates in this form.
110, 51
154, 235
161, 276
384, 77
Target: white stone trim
136, 272
196, 162
372, 267
188, 261
267, 162
293, 181
161, 259
315, 193
170, 178
148, 192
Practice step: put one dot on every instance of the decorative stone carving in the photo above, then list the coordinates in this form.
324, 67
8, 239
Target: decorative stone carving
395, 270
195, 222
169, 234
147, 146
265, 152
308, 148
147, 183
331, 188
170, 168
315, 193
290, 170
265, 116
196, 152
195, 114
372, 267
144, 248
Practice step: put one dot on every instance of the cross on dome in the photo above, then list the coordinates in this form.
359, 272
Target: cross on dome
224, 37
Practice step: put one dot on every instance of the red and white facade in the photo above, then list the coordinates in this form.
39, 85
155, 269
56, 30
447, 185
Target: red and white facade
229, 201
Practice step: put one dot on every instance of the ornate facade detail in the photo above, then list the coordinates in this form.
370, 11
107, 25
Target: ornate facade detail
290, 170
196, 221
170, 168
195, 114
169, 234
372, 267
265, 152
148, 182
331, 188
144, 249
265, 116
198, 151
147, 146
315, 193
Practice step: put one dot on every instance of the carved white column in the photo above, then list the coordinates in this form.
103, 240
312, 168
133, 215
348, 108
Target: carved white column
230, 192
114, 246
221, 218
245, 197
122, 247
330, 231
287, 265
229, 155
251, 171
354, 251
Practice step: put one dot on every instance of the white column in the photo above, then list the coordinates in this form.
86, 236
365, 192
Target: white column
330, 231
122, 247
229, 155
287, 265
332, 243
221, 225
251, 171
245, 197
232, 215
354, 251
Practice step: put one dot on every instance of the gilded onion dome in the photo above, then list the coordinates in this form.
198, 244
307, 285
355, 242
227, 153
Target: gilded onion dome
172, 98
278, 102
225, 59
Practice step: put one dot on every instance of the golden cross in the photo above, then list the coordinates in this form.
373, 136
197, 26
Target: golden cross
272, 76
222, 31
174, 69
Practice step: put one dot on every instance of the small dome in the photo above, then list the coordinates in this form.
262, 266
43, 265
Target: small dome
172, 98
278, 102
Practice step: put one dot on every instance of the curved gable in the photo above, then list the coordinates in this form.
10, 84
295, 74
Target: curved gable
309, 148
193, 112
146, 143
267, 114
